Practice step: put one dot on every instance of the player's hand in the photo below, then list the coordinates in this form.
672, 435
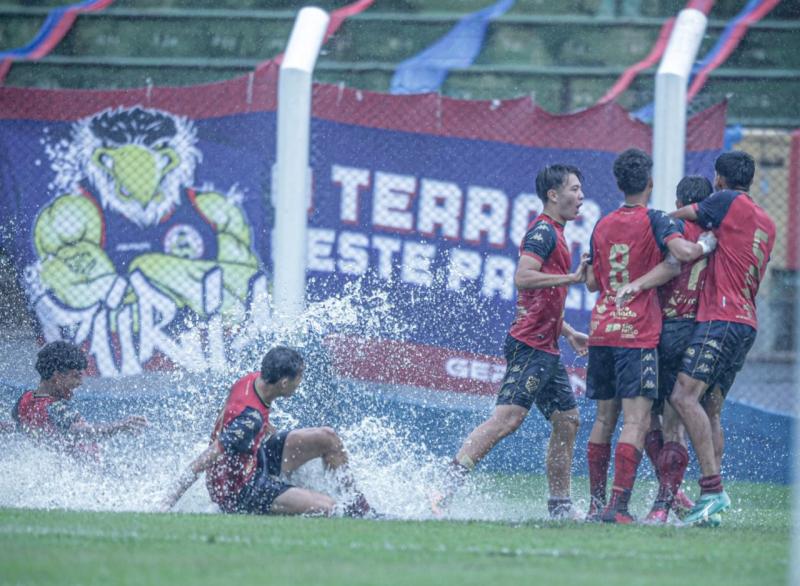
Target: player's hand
708, 242
579, 342
579, 276
626, 293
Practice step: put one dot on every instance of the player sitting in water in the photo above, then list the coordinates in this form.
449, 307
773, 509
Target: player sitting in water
247, 456
48, 414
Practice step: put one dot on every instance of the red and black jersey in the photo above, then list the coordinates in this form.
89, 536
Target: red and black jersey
679, 297
625, 245
50, 420
745, 237
540, 312
240, 429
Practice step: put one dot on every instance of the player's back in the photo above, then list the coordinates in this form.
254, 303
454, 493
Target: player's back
626, 244
746, 236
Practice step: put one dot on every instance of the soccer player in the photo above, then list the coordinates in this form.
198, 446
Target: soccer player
48, 415
247, 456
678, 299
534, 371
623, 362
726, 318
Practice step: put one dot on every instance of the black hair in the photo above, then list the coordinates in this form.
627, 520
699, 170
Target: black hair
737, 168
281, 362
553, 177
59, 357
632, 170
693, 189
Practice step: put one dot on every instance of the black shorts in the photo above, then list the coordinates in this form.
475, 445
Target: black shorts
676, 335
534, 376
621, 373
717, 352
264, 487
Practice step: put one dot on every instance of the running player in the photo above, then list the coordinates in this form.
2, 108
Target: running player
247, 456
623, 362
726, 318
534, 371
678, 299
48, 415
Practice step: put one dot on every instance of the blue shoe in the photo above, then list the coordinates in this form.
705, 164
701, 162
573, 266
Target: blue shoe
707, 508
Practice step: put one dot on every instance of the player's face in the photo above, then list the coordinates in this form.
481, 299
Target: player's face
289, 385
67, 381
570, 198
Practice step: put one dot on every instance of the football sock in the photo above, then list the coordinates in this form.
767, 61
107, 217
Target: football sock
671, 466
711, 484
626, 462
653, 443
599, 456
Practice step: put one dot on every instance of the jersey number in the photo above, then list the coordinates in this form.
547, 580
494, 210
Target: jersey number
618, 259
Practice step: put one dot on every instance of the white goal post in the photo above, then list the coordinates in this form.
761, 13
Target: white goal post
291, 174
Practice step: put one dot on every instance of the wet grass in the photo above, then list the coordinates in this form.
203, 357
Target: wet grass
72, 547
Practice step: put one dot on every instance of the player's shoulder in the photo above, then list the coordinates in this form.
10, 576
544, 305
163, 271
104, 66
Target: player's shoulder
540, 230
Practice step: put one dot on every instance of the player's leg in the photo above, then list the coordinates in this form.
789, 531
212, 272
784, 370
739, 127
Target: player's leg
560, 451
601, 387
265, 494
712, 403
557, 404
302, 445
504, 420
671, 465
637, 385
301, 501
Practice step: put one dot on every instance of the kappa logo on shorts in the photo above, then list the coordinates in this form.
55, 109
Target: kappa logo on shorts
649, 370
249, 423
532, 384
708, 355
711, 344
649, 384
703, 368
516, 368
649, 357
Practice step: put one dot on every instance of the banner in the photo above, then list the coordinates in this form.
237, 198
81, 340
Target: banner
141, 221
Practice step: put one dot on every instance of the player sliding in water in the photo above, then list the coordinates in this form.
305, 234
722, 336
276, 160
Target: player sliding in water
247, 457
535, 373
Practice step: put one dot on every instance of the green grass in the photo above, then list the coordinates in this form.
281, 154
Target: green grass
70, 547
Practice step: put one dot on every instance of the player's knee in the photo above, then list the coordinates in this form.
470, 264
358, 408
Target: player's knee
328, 438
566, 423
507, 423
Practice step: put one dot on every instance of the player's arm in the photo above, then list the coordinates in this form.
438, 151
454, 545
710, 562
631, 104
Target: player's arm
669, 235
529, 275
685, 213
591, 281
199, 465
662, 273
101, 430
578, 340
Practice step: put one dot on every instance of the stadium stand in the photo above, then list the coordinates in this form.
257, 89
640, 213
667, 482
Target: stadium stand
566, 54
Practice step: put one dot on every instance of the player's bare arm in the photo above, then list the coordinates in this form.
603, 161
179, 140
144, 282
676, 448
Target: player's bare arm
199, 465
687, 251
98, 430
529, 275
660, 274
577, 340
685, 213
591, 281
